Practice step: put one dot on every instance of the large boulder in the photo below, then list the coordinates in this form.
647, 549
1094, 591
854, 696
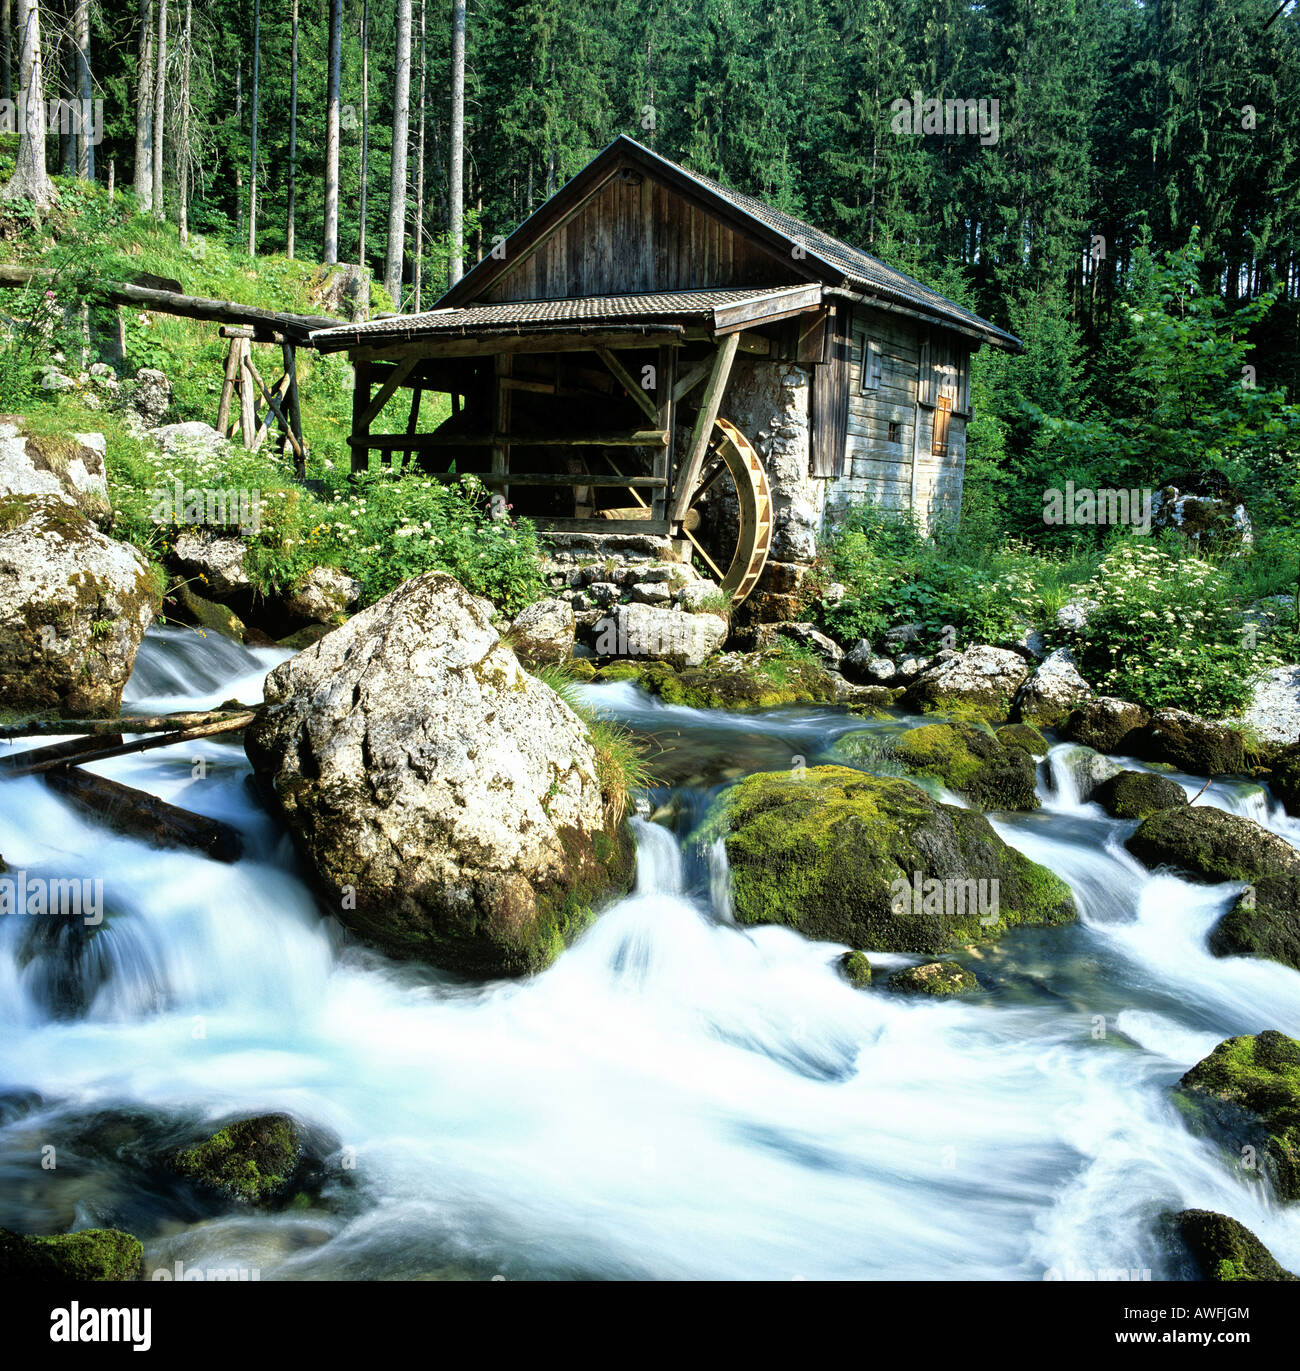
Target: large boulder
1264, 921
1224, 1250
981, 680
963, 758
453, 806
1250, 1088
39, 465
1192, 744
148, 398
732, 681
93, 1254
1214, 522
1106, 724
1212, 845
1055, 688
1138, 794
1284, 777
662, 635
543, 633
216, 560
874, 862
74, 605
323, 596
1274, 710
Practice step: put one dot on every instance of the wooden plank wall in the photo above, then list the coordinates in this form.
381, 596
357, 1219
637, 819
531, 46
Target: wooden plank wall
634, 237
877, 469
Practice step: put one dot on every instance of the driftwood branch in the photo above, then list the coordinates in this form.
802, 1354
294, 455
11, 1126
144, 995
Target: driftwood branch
130, 723
31, 764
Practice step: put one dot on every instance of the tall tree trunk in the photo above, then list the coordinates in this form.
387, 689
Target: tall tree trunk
394, 254
6, 50
239, 166
159, 111
456, 171
418, 272
30, 180
65, 67
144, 110
331, 252
186, 54
365, 124
293, 124
252, 170
85, 90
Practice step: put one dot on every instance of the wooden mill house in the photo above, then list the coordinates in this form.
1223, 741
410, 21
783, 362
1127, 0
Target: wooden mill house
654, 355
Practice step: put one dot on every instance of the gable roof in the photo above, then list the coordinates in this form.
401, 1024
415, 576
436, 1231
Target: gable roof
821, 256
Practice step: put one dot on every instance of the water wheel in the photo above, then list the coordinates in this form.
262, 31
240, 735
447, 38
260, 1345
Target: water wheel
732, 456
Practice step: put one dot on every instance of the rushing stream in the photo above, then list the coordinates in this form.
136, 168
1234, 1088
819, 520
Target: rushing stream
676, 1097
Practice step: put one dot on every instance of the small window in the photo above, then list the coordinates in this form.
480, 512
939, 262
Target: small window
867, 354
895, 431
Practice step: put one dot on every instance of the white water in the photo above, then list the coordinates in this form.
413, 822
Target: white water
676, 1097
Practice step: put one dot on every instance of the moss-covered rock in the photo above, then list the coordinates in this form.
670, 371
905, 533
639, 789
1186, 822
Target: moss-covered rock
254, 1161
980, 682
1251, 1087
1137, 794
94, 1254
1212, 845
970, 761
938, 979
1024, 736
1225, 1250
874, 862
1284, 777
1191, 744
732, 680
1106, 724
1264, 922
191, 608
856, 969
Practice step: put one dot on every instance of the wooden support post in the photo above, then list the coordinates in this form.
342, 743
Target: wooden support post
293, 408
665, 376
228, 388
247, 410
412, 420
501, 419
360, 403
629, 382
710, 403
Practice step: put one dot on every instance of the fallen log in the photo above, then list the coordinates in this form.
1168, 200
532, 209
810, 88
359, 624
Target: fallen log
127, 723
141, 815
71, 750
23, 765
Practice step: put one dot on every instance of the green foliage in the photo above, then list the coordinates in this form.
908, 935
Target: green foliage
1166, 631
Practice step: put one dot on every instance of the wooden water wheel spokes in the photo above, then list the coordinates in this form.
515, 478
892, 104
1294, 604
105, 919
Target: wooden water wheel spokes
733, 455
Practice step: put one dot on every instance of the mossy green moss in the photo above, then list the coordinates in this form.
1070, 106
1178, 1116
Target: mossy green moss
828, 851
1252, 1085
1225, 1250
1264, 922
1024, 736
253, 1161
856, 969
733, 680
1137, 794
938, 979
1284, 777
94, 1254
1192, 744
966, 759
1212, 845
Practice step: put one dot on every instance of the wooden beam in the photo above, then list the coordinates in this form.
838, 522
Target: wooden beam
665, 393
602, 527
692, 378
621, 374
394, 379
501, 420
247, 409
780, 304
558, 478
489, 345
710, 403
228, 385
423, 441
